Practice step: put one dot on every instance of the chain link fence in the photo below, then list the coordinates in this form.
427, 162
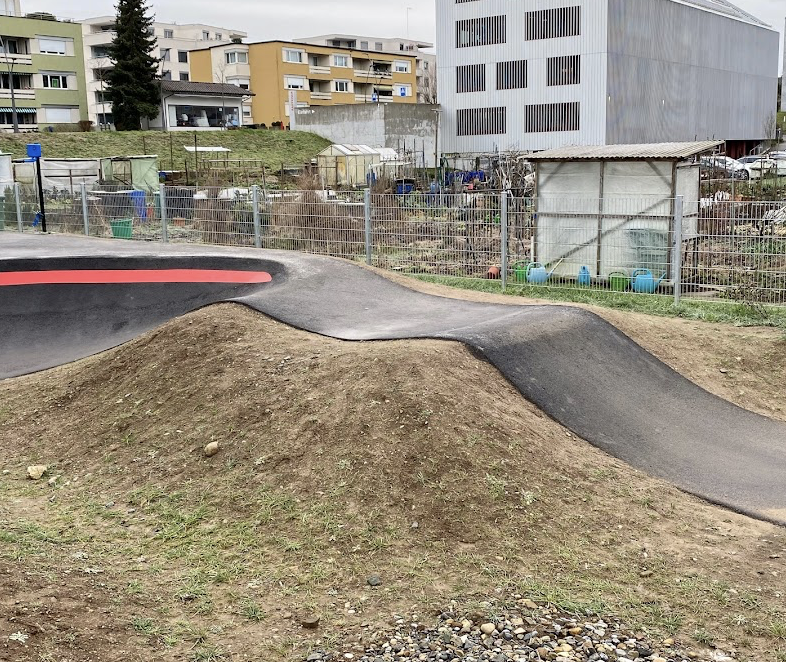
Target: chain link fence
718, 248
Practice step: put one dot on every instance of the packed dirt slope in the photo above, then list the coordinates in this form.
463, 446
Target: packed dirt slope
412, 461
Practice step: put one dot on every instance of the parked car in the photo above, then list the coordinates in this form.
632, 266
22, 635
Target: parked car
766, 167
724, 167
778, 156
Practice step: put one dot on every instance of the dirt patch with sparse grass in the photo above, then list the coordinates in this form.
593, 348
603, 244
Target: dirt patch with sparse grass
410, 460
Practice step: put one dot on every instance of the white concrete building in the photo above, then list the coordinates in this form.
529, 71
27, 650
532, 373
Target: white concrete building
174, 42
426, 62
540, 75
10, 8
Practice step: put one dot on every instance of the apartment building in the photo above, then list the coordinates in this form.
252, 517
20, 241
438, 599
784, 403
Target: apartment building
174, 43
535, 76
41, 59
426, 69
312, 75
10, 8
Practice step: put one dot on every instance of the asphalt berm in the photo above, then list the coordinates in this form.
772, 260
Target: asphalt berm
409, 461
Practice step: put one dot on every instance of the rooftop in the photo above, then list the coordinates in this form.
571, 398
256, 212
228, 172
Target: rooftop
725, 8
402, 54
643, 152
209, 89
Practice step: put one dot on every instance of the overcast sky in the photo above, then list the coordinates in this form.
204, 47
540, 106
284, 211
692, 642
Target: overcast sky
277, 19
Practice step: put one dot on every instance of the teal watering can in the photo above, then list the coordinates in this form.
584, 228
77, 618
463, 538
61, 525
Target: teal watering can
644, 282
537, 274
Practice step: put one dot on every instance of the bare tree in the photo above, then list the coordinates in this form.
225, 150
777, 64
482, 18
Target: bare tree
770, 129
428, 90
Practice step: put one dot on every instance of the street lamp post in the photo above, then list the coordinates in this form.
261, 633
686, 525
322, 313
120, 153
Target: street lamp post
161, 86
9, 63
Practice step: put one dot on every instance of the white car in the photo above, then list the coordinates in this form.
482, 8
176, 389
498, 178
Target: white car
725, 167
765, 167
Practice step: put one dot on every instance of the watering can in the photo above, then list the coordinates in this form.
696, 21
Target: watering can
536, 272
644, 282
618, 281
585, 278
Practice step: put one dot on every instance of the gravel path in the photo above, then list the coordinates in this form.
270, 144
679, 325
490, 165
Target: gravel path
527, 633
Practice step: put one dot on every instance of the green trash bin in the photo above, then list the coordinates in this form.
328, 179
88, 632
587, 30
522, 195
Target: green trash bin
122, 228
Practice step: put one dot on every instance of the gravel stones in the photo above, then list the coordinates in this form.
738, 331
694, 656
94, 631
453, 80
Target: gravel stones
526, 632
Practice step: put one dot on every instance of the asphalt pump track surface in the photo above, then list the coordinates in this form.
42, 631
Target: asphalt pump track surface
65, 298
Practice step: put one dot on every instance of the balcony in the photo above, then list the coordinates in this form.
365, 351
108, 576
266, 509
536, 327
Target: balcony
27, 95
374, 75
319, 71
99, 63
368, 98
104, 38
15, 58
321, 96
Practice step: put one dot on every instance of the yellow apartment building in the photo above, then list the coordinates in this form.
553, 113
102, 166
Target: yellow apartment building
316, 75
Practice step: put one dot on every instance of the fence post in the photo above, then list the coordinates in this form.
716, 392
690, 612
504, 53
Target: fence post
367, 214
257, 228
503, 226
18, 197
162, 199
678, 215
85, 214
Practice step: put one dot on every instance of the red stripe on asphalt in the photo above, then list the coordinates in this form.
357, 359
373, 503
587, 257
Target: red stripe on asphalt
102, 276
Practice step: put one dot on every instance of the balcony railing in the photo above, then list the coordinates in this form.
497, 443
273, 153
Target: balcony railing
26, 94
323, 96
319, 71
15, 58
371, 73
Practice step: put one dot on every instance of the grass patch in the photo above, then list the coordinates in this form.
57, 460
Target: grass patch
271, 147
738, 314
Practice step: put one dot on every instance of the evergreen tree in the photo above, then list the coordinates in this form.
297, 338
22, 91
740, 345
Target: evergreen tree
132, 85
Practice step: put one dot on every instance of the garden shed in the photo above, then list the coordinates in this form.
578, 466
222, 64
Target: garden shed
347, 165
611, 208
60, 174
133, 172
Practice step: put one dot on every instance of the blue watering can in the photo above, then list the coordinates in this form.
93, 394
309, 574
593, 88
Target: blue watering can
585, 277
644, 282
537, 274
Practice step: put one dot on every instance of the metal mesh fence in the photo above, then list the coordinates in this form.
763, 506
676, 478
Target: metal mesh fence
719, 248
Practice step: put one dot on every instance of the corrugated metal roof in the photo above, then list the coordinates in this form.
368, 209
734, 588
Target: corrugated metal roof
651, 151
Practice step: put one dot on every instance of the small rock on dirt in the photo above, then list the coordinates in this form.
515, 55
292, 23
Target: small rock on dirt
36, 471
488, 628
211, 449
310, 622
374, 580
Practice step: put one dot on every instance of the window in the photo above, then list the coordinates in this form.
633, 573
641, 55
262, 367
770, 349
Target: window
481, 31
52, 46
400, 90
481, 121
294, 83
236, 57
101, 97
512, 75
21, 81
425, 65
10, 46
57, 115
378, 46
205, 35
471, 78
25, 116
363, 45
219, 36
204, 116
169, 34
165, 55
166, 75
291, 55
547, 117
552, 23
341, 86
182, 56
401, 66
184, 76
564, 70
100, 51
55, 81
341, 60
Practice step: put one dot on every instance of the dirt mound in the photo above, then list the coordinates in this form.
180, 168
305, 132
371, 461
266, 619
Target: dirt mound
412, 461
